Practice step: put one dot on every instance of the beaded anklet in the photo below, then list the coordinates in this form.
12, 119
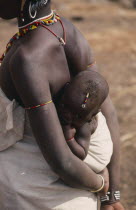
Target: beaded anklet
34, 107
70, 139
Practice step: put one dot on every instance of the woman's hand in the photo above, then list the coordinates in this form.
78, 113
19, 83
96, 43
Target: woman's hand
107, 207
114, 206
105, 175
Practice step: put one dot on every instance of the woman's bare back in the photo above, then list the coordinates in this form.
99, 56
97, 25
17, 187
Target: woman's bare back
58, 62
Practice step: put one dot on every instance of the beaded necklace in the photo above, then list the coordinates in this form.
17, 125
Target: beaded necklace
44, 22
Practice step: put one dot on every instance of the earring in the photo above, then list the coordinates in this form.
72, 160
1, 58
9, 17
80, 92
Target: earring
30, 11
86, 99
46, 1
41, 4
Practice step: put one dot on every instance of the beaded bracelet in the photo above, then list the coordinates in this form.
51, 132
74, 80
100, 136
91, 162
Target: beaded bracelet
70, 139
95, 191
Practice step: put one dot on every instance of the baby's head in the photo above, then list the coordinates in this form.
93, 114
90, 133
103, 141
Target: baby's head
82, 98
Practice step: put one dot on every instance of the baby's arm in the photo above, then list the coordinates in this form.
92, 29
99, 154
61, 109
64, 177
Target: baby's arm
78, 140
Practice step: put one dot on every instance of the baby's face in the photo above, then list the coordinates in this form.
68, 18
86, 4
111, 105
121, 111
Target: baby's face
70, 108
75, 116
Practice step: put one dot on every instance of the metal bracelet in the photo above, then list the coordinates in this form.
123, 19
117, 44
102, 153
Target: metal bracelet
117, 195
105, 198
110, 196
103, 182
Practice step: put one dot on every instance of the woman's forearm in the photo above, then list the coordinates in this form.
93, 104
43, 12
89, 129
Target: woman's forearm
77, 174
56, 152
114, 165
112, 122
74, 172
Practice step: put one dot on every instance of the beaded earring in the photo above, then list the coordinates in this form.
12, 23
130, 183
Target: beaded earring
33, 8
32, 16
86, 99
45, 2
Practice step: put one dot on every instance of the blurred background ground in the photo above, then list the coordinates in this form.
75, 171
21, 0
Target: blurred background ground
110, 29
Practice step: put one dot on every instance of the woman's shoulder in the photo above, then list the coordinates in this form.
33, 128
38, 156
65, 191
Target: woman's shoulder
73, 33
78, 50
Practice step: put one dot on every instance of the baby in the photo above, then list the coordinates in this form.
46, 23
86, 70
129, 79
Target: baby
78, 109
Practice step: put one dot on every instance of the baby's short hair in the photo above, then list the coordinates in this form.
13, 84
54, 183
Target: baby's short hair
88, 88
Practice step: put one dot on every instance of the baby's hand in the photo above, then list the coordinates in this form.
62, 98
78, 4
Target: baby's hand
68, 131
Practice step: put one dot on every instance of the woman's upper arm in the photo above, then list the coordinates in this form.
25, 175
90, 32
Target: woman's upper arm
31, 82
81, 55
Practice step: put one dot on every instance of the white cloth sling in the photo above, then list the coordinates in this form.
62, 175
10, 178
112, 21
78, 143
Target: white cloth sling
26, 180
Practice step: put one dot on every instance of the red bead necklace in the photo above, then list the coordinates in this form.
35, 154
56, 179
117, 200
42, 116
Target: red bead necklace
44, 22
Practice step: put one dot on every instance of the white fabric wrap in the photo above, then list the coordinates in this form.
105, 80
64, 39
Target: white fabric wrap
101, 146
11, 122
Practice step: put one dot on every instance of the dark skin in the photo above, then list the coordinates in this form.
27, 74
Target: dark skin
74, 57
78, 138
79, 123
79, 144
20, 75
28, 66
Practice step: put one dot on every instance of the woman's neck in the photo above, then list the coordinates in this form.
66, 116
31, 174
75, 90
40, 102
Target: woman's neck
46, 10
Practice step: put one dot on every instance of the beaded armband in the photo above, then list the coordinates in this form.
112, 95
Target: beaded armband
34, 107
44, 22
70, 139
